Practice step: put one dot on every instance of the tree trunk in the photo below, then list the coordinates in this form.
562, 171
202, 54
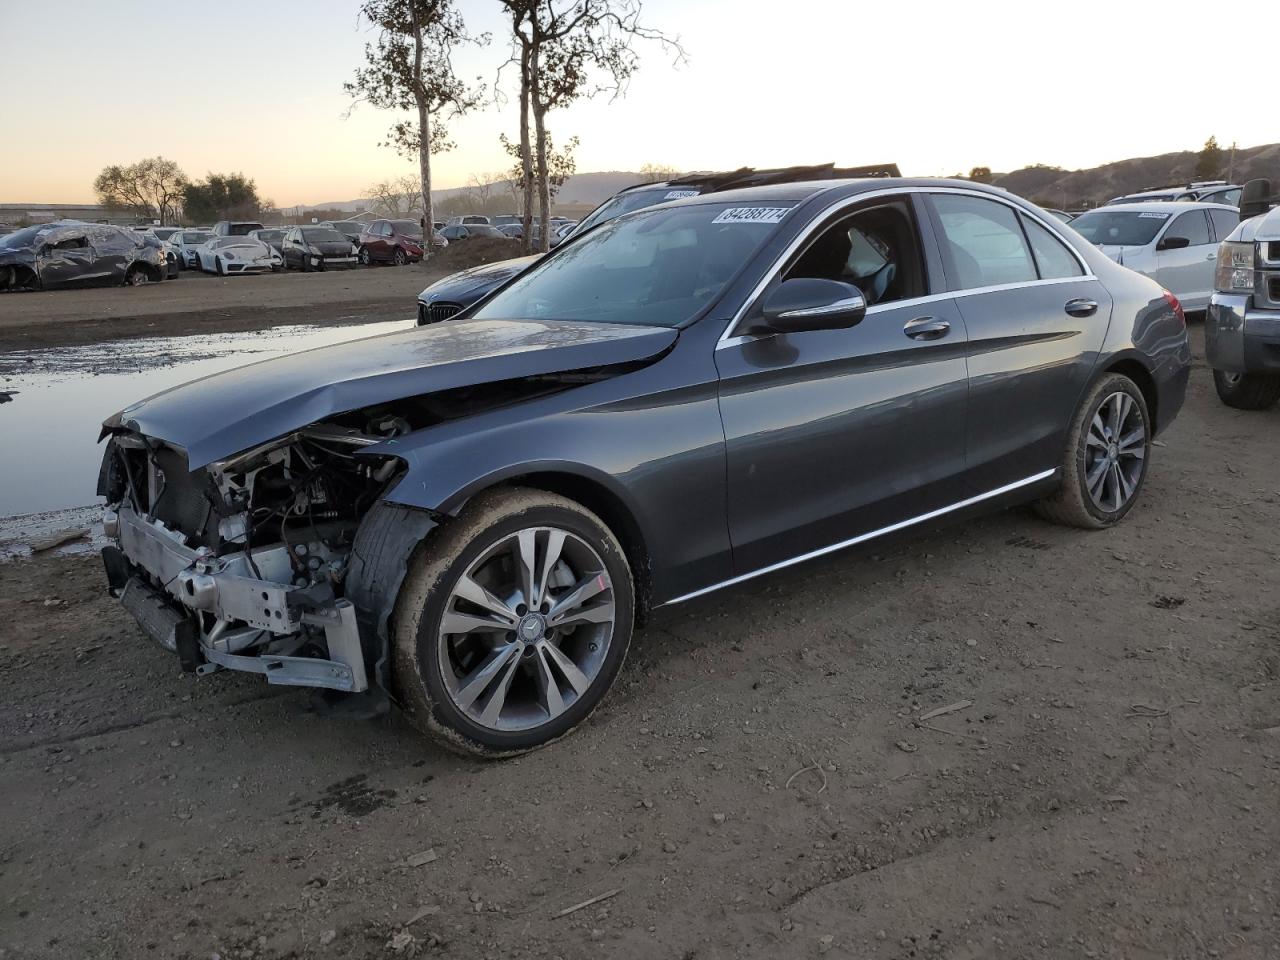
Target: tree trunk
424, 137
544, 186
424, 167
526, 154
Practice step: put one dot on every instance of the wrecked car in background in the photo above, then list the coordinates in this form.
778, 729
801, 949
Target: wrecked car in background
470, 517
70, 253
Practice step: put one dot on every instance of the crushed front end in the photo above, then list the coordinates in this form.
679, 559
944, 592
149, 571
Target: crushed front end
244, 564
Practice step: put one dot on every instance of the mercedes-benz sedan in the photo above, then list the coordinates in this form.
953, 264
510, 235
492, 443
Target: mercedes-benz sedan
468, 519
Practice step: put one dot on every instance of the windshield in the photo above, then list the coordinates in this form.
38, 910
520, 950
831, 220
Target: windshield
408, 228
242, 229
164, 233
189, 237
658, 268
270, 236
631, 201
322, 235
21, 238
1120, 228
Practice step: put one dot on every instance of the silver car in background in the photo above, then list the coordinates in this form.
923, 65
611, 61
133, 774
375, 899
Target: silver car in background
1174, 243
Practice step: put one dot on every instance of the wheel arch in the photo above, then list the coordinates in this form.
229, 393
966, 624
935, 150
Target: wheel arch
584, 485
1129, 365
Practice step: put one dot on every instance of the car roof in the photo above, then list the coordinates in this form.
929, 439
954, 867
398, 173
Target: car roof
1161, 206
804, 189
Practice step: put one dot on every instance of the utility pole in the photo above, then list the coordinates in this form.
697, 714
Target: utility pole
1231, 164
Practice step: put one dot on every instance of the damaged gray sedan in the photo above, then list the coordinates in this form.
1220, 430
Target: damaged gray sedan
468, 518
70, 253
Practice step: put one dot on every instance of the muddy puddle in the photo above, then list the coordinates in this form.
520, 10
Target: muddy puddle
57, 400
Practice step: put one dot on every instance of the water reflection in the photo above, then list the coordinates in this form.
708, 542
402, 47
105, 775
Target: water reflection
49, 454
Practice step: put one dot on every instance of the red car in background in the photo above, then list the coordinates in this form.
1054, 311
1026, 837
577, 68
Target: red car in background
391, 241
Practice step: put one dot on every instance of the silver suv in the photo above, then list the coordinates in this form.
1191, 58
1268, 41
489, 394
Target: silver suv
1242, 329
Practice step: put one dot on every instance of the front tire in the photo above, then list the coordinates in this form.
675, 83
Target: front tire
364, 258
1105, 461
1247, 391
512, 623
398, 258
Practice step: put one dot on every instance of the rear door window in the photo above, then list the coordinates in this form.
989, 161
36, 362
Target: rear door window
1193, 225
982, 242
1053, 258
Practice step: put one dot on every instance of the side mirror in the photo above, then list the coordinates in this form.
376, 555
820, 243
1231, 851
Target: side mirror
1173, 243
807, 303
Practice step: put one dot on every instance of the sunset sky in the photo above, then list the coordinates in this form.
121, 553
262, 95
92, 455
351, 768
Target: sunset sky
937, 87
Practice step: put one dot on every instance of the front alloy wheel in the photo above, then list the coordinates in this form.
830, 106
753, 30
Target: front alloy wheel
398, 258
512, 623
364, 258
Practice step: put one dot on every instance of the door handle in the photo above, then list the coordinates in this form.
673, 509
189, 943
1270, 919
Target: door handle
1081, 307
926, 328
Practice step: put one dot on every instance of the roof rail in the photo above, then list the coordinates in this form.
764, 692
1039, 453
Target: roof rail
750, 177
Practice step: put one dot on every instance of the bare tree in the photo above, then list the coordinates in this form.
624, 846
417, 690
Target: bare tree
395, 199
657, 172
567, 50
151, 188
410, 67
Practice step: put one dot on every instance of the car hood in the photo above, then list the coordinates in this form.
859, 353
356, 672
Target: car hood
468, 286
1265, 226
333, 248
228, 413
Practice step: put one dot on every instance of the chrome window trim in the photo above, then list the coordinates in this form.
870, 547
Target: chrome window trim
862, 537
837, 206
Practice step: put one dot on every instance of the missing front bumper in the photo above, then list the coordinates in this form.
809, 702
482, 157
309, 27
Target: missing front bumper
198, 584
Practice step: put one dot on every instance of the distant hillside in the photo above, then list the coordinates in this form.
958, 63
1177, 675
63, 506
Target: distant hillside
580, 190
1072, 189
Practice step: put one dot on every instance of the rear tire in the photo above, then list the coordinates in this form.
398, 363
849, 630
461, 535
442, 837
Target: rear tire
1105, 462
449, 683
1247, 391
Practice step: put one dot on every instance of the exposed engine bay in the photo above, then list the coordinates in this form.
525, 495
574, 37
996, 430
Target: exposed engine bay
256, 549
257, 546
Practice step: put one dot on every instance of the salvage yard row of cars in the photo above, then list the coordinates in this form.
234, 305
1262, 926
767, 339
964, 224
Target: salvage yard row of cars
468, 518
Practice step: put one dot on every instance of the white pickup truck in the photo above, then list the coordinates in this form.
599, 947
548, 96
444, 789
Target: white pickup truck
1242, 327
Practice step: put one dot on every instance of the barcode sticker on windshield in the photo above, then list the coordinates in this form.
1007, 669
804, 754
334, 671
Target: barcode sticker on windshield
1153, 216
752, 215
679, 194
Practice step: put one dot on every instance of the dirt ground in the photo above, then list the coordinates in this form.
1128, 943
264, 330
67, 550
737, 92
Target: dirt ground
761, 782
197, 303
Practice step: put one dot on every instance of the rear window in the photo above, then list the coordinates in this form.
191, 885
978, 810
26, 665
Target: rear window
1120, 228
631, 201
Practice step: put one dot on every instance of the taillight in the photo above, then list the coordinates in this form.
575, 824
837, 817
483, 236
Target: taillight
1170, 299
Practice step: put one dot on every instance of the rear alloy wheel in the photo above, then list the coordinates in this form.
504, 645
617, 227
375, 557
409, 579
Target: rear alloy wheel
1247, 391
398, 258
1105, 461
512, 623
